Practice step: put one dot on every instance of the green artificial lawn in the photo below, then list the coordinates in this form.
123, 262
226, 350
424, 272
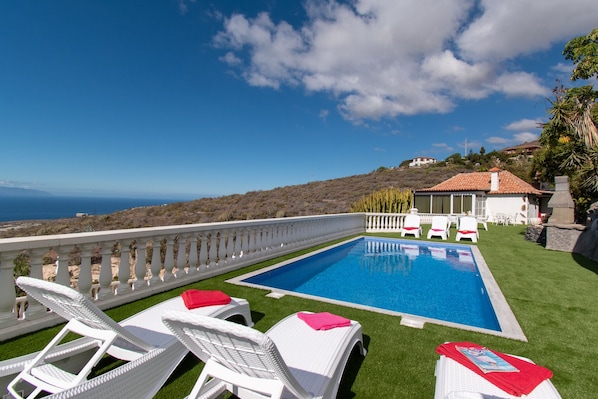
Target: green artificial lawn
553, 295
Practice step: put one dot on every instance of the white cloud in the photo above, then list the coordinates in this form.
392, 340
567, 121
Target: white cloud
520, 84
508, 28
384, 58
231, 59
497, 140
524, 137
183, 7
518, 138
524, 124
561, 67
442, 147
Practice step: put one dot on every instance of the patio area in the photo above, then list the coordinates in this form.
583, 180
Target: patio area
553, 296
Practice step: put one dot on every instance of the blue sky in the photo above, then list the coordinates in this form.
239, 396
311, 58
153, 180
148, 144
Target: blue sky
182, 99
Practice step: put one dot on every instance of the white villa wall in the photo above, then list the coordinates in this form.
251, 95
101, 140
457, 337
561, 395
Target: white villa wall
420, 161
509, 205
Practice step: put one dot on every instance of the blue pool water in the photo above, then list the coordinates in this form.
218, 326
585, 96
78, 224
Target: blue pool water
425, 279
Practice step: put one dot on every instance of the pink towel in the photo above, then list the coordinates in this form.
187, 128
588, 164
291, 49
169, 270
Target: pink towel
517, 383
198, 298
324, 320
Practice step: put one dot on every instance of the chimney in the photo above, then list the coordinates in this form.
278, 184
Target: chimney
494, 179
561, 202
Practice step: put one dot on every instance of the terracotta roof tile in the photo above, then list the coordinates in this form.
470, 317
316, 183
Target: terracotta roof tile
508, 183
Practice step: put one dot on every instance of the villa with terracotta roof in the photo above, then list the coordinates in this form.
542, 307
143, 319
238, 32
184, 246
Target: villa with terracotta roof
485, 195
525, 149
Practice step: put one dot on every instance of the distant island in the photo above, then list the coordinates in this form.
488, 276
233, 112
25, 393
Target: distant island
21, 192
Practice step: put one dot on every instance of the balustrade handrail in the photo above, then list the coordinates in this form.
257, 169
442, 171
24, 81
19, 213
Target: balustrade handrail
191, 253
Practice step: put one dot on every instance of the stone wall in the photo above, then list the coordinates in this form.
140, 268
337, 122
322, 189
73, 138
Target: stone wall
575, 238
537, 234
562, 237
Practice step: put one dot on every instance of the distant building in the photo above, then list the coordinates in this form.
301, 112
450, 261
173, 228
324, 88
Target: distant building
420, 161
526, 149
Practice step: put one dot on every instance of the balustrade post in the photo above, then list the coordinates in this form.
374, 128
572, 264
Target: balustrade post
63, 276
140, 266
259, 239
169, 259
237, 244
203, 251
251, 234
181, 259
222, 249
36, 310
106, 272
84, 282
156, 265
124, 269
7, 290
230, 246
193, 258
213, 249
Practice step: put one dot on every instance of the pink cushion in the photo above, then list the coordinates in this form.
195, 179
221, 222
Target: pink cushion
323, 320
198, 298
410, 228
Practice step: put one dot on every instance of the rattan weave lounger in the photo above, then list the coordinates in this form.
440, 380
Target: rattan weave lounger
133, 339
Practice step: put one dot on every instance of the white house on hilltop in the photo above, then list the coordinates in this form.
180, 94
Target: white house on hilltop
420, 161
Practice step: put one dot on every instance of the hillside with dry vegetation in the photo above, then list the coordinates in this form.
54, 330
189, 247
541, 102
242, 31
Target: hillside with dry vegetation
314, 198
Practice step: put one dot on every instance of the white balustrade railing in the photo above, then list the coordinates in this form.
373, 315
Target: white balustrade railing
180, 255
137, 263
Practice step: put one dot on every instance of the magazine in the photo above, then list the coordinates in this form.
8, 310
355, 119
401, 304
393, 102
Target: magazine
486, 360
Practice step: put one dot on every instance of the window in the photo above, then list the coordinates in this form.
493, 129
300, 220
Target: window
422, 203
448, 203
441, 204
480, 205
462, 203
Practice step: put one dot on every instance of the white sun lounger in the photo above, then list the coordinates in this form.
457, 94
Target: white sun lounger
412, 225
291, 360
455, 381
130, 340
439, 228
468, 228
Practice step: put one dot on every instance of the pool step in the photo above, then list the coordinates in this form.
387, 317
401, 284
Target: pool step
414, 323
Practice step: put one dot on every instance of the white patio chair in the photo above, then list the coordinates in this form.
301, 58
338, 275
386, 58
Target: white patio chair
483, 220
468, 228
412, 225
439, 228
455, 381
128, 340
291, 360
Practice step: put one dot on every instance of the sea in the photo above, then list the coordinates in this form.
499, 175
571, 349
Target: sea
21, 208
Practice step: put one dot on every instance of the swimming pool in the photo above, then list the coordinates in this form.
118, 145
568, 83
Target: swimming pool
420, 281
